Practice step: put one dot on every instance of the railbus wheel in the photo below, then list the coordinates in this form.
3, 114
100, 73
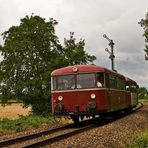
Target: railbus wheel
75, 119
93, 116
82, 117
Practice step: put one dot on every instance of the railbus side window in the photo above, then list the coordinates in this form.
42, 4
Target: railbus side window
113, 81
127, 86
100, 79
107, 80
120, 83
131, 86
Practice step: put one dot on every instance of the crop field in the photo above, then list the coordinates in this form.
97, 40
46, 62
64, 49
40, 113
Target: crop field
13, 111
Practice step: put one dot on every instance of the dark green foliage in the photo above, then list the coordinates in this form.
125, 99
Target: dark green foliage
30, 52
74, 52
142, 93
144, 24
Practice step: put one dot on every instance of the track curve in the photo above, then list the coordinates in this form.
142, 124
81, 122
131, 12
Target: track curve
56, 134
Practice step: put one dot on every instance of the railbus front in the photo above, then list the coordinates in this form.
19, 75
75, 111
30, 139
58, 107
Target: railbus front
87, 90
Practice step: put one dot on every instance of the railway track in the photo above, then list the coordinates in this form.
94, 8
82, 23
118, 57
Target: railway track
46, 137
21, 139
139, 106
53, 135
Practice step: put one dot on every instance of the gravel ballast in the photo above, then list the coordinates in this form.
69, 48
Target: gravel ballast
112, 135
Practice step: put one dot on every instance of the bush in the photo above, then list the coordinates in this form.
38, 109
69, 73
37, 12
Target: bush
25, 123
139, 141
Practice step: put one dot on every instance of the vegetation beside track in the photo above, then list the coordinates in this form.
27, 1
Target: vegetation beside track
24, 123
139, 140
143, 100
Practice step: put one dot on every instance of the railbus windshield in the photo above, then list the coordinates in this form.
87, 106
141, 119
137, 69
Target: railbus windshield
77, 81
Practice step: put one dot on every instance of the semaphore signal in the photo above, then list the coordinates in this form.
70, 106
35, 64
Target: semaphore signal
112, 56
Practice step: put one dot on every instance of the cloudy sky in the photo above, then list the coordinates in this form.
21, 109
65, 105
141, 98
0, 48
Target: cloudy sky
90, 19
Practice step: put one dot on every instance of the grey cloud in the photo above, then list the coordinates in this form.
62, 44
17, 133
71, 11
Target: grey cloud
90, 20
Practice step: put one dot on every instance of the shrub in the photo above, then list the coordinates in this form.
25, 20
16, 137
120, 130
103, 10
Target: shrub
25, 123
139, 141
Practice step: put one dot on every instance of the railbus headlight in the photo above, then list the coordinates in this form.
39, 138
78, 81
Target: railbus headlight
54, 101
92, 96
60, 98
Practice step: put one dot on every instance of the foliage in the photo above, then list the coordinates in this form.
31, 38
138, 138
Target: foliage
74, 52
142, 93
25, 123
139, 141
144, 24
27, 55
30, 52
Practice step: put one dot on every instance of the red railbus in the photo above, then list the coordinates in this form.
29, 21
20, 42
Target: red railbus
88, 90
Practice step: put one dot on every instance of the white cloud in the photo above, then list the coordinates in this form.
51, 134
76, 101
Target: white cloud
90, 20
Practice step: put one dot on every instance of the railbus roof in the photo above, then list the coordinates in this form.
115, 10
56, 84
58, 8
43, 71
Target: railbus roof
83, 69
130, 80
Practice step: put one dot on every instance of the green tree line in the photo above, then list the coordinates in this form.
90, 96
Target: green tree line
142, 93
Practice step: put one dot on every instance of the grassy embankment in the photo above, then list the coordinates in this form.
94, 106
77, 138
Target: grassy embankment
15, 123
140, 139
14, 118
9, 126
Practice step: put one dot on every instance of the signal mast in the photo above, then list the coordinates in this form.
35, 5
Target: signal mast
111, 52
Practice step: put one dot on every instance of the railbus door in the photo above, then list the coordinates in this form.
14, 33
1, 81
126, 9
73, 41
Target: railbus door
116, 92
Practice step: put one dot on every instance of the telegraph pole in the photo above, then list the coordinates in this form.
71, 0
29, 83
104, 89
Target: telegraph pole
112, 56
146, 55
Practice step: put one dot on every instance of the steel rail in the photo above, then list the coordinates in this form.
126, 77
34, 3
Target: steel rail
47, 141
22, 138
140, 105
27, 141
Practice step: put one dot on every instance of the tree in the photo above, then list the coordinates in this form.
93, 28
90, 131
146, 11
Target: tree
144, 24
30, 52
74, 52
142, 93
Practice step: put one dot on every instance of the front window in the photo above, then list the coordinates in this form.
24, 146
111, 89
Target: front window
65, 82
77, 81
85, 80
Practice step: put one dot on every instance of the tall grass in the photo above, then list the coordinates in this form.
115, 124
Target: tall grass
25, 123
139, 141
